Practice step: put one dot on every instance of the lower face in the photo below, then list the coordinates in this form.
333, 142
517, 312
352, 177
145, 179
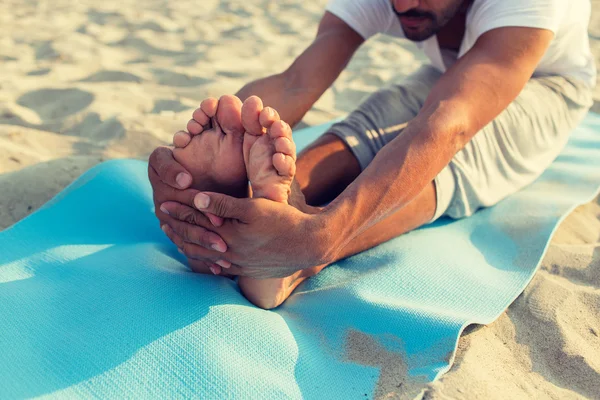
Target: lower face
418, 28
427, 18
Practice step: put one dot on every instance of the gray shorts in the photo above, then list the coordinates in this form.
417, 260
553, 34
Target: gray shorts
506, 155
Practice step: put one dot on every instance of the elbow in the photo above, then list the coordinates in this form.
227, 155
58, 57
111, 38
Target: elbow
452, 127
292, 79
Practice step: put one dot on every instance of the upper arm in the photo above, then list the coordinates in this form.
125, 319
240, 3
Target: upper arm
482, 83
322, 62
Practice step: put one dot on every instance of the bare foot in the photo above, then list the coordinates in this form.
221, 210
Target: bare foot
270, 157
211, 150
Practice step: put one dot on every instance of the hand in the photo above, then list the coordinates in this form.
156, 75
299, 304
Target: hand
169, 181
265, 239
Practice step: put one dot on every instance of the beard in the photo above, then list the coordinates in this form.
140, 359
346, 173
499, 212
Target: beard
422, 25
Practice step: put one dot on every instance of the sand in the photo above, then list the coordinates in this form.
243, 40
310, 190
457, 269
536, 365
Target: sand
82, 82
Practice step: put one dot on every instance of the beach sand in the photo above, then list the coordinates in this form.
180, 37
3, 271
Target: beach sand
82, 82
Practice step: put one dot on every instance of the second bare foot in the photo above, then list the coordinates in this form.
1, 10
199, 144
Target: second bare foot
270, 157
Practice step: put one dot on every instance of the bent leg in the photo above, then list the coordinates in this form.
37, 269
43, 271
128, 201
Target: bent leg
509, 153
329, 165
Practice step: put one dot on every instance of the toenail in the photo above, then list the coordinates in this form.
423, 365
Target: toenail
183, 180
164, 210
201, 200
223, 263
221, 248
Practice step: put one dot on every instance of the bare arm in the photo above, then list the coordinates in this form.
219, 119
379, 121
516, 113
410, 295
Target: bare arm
293, 92
467, 97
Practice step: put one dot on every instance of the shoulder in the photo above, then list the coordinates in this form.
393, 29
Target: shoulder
486, 15
366, 17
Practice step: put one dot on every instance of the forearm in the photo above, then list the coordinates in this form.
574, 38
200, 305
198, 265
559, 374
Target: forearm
399, 172
281, 92
467, 97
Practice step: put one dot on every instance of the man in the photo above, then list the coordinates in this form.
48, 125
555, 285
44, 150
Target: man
508, 81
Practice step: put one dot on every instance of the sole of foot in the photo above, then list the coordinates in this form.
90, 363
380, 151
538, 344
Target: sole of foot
212, 148
270, 157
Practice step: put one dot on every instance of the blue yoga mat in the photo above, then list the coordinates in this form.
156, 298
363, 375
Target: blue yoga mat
95, 300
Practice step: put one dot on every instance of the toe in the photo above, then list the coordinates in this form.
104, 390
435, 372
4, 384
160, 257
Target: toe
194, 127
209, 107
284, 164
250, 114
229, 115
181, 139
268, 116
285, 146
200, 117
281, 134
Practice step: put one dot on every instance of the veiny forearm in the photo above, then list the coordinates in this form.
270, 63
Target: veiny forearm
466, 98
399, 172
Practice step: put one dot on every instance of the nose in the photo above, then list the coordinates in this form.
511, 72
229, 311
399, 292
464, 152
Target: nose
404, 5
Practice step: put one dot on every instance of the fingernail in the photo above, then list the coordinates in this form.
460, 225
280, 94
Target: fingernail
214, 270
201, 200
179, 250
221, 248
163, 209
164, 228
183, 180
223, 263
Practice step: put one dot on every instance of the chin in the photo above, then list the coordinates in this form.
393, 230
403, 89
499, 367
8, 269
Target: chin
418, 35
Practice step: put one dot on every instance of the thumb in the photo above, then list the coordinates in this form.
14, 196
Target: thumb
222, 205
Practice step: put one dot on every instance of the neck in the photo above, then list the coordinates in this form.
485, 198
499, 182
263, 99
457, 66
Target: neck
451, 35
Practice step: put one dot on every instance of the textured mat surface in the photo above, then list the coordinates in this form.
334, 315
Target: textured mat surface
95, 301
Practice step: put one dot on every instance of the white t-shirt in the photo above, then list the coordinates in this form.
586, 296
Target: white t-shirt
568, 55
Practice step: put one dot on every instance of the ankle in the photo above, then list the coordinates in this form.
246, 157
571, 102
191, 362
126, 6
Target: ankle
297, 200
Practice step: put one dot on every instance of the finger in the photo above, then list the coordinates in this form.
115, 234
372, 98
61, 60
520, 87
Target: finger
194, 232
170, 171
199, 266
223, 263
204, 267
196, 252
222, 205
236, 270
191, 250
198, 263
207, 266
171, 234
216, 221
197, 235
163, 192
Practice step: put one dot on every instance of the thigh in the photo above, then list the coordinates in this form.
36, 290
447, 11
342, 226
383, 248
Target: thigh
384, 114
517, 146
